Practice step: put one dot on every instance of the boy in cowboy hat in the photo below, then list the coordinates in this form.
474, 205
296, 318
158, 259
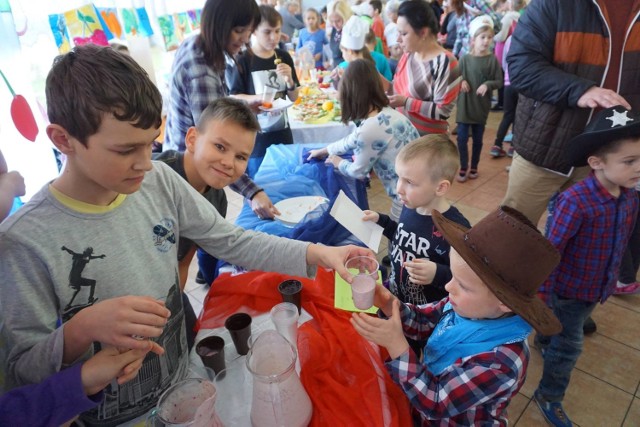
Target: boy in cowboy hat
590, 226
476, 355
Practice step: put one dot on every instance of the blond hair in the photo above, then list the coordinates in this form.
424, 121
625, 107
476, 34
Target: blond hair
438, 154
341, 8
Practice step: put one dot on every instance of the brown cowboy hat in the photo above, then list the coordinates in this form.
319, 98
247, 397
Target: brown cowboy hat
609, 125
511, 257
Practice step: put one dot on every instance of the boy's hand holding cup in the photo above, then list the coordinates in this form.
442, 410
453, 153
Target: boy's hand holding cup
119, 321
387, 333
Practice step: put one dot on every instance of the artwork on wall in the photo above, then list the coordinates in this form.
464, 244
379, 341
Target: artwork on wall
175, 27
110, 20
84, 26
99, 25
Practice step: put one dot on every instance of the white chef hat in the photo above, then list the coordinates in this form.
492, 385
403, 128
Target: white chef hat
392, 34
354, 33
363, 8
479, 22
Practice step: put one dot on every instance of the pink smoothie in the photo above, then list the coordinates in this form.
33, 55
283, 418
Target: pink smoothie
362, 291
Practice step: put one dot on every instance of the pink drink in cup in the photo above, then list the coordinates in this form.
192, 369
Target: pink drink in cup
362, 290
365, 273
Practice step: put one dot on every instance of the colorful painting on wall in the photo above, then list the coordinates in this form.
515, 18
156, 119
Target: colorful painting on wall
194, 18
130, 22
110, 20
59, 30
144, 25
183, 27
84, 26
168, 30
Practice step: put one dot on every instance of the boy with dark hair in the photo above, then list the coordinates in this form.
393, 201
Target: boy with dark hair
131, 212
217, 153
590, 226
476, 355
64, 395
261, 69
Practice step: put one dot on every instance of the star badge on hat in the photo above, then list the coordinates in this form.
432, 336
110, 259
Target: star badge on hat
606, 126
619, 118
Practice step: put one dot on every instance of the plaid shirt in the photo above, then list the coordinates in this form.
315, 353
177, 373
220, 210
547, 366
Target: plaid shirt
194, 84
475, 390
463, 38
591, 229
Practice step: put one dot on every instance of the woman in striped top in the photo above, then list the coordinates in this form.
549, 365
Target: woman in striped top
427, 79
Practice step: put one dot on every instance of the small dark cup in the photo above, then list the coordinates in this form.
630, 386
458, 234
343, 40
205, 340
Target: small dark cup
291, 291
211, 351
239, 326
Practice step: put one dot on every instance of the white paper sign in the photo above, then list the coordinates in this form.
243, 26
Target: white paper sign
349, 215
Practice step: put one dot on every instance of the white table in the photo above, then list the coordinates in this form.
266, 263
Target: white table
319, 134
325, 133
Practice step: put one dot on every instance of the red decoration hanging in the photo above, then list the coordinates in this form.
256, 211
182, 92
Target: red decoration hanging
21, 114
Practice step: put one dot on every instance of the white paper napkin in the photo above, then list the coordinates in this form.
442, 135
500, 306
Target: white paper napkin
349, 215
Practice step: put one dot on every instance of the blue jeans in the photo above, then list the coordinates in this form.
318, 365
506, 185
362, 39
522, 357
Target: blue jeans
564, 349
208, 266
477, 132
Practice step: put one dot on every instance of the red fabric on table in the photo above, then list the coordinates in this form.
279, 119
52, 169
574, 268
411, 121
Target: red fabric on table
342, 372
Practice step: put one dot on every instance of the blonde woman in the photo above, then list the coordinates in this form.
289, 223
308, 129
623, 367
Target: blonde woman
338, 13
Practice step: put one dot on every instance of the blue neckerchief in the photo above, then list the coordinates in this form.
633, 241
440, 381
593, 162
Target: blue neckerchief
455, 337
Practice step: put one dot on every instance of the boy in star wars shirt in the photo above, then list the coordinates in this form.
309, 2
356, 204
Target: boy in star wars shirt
419, 254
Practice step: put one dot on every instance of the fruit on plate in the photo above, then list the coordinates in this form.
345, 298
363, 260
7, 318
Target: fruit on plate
324, 85
327, 105
267, 105
316, 108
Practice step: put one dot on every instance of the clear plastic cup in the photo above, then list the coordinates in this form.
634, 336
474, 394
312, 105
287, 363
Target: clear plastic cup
365, 273
268, 96
285, 317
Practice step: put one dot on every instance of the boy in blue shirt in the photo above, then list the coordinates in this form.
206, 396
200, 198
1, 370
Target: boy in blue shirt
590, 226
418, 253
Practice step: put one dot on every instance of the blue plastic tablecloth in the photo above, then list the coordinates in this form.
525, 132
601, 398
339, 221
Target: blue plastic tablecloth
284, 174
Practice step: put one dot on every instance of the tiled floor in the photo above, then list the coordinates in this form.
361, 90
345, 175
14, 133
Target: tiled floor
605, 386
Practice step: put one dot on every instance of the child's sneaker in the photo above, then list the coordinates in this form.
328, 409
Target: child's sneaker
200, 278
552, 411
462, 176
627, 289
497, 151
473, 174
589, 327
510, 151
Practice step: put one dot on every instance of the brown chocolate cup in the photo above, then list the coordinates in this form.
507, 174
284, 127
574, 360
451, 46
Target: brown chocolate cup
211, 351
239, 327
291, 291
